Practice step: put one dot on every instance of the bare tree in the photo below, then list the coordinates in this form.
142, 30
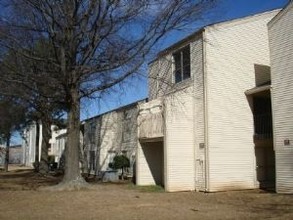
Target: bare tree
12, 116
96, 45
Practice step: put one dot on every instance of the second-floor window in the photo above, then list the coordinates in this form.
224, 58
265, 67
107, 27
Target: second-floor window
182, 64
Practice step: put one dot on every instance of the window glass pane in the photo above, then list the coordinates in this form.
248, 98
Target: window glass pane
177, 61
182, 64
186, 56
186, 72
178, 77
186, 62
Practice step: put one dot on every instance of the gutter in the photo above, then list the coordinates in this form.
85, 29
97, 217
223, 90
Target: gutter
205, 99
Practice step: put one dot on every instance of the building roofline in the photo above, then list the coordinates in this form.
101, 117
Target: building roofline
286, 8
61, 135
116, 109
202, 29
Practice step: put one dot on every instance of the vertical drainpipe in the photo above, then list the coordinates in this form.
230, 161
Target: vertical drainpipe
205, 99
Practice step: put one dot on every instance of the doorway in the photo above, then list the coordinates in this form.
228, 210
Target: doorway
263, 140
154, 154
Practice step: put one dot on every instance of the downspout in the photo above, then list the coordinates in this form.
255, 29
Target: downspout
205, 100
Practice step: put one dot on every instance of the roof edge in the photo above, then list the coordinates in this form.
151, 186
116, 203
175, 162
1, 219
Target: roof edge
115, 109
285, 9
202, 29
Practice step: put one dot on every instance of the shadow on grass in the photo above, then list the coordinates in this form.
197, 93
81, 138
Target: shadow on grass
26, 180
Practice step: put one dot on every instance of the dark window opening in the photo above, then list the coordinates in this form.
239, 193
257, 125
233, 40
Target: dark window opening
263, 128
182, 64
92, 160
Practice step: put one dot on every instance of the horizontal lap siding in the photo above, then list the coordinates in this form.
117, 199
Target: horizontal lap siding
197, 72
284, 171
110, 134
160, 77
179, 142
232, 50
281, 47
144, 174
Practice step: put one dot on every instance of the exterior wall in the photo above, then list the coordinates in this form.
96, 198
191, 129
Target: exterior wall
198, 106
2, 155
150, 163
59, 149
160, 77
16, 154
281, 47
55, 141
29, 144
109, 134
183, 119
150, 120
179, 158
232, 50
109, 139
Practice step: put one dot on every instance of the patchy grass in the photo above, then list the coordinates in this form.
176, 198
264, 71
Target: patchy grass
152, 188
22, 199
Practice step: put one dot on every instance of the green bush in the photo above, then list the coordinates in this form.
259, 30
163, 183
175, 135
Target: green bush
120, 162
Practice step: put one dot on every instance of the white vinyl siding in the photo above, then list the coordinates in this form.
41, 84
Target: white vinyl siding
160, 77
111, 133
179, 141
29, 144
281, 47
150, 164
232, 50
110, 138
196, 49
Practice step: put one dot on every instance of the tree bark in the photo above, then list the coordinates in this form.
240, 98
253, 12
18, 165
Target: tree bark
72, 175
37, 149
7, 153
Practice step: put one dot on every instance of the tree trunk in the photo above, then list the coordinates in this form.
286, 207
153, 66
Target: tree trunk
46, 135
37, 149
82, 158
72, 176
7, 153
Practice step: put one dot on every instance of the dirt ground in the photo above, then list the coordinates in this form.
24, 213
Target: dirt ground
20, 198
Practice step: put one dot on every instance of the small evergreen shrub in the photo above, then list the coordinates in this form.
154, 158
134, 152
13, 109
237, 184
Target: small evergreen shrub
120, 162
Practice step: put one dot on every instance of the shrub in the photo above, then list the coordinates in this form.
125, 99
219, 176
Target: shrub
120, 162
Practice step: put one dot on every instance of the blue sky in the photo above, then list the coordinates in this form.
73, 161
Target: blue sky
136, 88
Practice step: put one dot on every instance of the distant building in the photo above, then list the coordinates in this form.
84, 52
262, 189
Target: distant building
110, 134
2, 155
57, 146
33, 141
32, 138
16, 154
101, 138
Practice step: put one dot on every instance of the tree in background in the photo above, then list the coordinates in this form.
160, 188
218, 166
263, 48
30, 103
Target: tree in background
120, 162
30, 81
96, 45
12, 117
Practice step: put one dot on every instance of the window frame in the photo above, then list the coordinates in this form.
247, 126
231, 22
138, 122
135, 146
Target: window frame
183, 65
